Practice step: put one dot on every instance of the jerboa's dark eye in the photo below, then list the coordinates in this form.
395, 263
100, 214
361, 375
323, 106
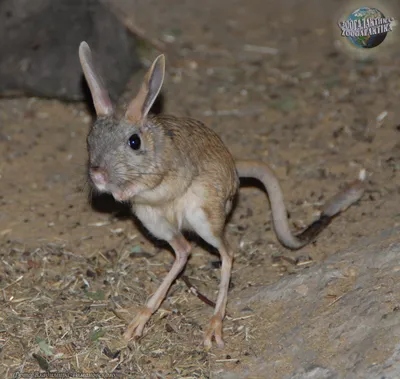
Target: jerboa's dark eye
134, 142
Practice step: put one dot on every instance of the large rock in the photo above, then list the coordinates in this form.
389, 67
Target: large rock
39, 42
353, 335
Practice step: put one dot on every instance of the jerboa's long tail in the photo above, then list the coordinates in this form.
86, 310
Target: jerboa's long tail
338, 204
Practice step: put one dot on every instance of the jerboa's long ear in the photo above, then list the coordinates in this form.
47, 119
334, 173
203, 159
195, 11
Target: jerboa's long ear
101, 99
151, 86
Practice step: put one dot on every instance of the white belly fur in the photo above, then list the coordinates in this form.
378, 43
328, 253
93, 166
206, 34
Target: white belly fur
166, 221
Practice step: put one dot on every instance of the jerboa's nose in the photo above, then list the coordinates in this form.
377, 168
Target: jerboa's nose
98, 175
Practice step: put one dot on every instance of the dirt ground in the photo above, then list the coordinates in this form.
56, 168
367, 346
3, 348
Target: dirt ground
276, 81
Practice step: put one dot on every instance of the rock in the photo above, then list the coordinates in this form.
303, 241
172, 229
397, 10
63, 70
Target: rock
260, 372
313, 373
344, 322
39, 43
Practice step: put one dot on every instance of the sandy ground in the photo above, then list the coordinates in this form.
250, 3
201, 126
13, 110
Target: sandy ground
306, 106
